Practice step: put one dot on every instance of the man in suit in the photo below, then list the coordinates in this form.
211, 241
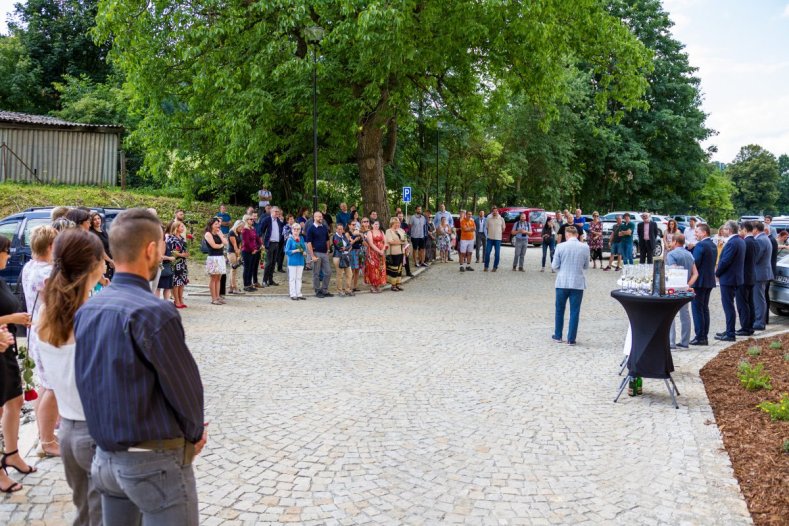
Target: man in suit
744, 297
763, 273
771, 234
647, 232
704, 254
730, 272
271, 228
570, 260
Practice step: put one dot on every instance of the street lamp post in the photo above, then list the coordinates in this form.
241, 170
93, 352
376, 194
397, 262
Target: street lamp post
314, 129
314, 35
438, 131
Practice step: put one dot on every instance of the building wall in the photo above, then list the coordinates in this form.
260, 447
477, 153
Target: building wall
60, 156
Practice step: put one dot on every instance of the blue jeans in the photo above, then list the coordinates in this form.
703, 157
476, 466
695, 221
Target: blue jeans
153, 488
495, 244
626, 250
575, 296
700, 307
546, 245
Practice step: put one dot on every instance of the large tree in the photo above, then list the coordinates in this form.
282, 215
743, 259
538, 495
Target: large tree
754, 174
55, 35
227, 84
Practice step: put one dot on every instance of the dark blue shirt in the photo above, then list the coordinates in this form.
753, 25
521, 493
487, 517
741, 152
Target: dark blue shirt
136, 378
224, 217
318, 236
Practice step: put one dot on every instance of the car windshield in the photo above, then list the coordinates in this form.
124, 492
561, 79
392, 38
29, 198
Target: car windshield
609, 217
537, 216
511, 217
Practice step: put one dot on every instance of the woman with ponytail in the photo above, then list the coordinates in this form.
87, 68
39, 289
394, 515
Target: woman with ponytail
78, 264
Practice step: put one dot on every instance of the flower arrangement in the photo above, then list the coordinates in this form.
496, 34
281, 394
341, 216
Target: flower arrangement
27, 366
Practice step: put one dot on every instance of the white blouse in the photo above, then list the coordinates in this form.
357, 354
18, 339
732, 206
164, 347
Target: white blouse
59, 361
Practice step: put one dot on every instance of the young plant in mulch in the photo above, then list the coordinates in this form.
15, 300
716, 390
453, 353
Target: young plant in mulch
786, 357
777, 411
786, 446
754, 351
775, 345
753, 377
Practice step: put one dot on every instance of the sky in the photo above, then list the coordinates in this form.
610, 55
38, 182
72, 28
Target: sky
740, 49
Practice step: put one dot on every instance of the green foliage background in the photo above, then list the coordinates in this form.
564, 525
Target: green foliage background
551, 103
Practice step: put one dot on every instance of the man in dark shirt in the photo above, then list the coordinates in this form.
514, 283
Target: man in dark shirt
140, 387
317, 239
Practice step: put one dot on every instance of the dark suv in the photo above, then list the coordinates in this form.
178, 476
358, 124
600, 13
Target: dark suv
17, 228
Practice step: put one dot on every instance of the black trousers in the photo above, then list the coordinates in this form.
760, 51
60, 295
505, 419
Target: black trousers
645, 250
700, 307
767, 310
727, 299
249, 267
272, 255
256, 268
745, 307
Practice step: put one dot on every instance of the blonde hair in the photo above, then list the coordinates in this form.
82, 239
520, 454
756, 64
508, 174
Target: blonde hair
173, 227
394, 220
41, 239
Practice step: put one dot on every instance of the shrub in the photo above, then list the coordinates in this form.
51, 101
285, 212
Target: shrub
775, 345
786, 446
754, 351
786, 357
777, 411
753, 377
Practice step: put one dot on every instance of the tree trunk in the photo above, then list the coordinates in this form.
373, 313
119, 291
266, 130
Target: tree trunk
370, 158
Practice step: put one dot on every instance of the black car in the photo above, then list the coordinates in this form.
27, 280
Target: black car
17, 228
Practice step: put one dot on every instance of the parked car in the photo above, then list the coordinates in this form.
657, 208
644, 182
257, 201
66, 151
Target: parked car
662, 222
535, 216
17, 228
683, 221
609, 220
779, 288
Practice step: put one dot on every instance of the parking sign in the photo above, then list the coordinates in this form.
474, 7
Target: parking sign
406, 194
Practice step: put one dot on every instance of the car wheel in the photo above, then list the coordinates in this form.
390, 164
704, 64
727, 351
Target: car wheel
658, 249
779, 309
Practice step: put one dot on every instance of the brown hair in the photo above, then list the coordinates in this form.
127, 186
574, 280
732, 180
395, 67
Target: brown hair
78, 215
679, 238
41, 238
76, 255
172, 227
571, 230
132, 231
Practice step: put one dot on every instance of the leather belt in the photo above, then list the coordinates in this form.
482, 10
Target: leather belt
168, 444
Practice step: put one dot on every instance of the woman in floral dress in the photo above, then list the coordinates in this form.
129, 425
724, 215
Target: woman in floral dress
444, 233
596, 240
374, 271
177, 245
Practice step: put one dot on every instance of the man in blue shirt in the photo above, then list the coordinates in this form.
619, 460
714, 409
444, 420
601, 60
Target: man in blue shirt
343, 216
679, 256
140, 387
317, 239
225, 219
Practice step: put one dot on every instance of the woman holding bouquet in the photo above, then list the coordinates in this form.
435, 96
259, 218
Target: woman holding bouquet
397, 242
374, 273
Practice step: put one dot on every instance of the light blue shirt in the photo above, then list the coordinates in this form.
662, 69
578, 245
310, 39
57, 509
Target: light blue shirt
571, 261
439, 215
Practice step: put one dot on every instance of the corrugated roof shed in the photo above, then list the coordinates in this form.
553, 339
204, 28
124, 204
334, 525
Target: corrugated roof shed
45, 121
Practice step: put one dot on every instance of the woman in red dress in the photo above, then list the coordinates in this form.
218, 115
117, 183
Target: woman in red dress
374, 270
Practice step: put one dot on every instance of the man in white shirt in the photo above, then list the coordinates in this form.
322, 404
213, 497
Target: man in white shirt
690, 234
570, 261
442, 212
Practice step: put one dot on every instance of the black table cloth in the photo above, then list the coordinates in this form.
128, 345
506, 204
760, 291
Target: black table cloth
650, 322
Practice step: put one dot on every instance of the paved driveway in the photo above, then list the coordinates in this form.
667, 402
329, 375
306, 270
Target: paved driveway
446, 403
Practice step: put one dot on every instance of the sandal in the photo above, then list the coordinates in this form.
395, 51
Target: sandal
4, 464
216, 302
41, 450
13, 488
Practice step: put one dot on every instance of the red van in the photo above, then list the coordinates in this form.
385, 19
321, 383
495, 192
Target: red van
536, 216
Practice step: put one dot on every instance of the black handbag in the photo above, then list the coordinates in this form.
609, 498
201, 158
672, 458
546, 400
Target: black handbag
345, 260
204, 247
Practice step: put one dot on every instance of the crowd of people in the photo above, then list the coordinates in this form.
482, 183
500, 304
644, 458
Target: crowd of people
122, 349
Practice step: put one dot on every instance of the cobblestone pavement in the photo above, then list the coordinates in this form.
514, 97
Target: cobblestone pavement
446, 403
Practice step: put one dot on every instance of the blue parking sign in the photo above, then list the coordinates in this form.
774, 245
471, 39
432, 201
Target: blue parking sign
406, 194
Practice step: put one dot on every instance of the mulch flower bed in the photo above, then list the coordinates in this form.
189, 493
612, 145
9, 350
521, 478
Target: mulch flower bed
754, 442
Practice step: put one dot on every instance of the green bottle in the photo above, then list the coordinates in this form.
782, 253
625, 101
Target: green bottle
639, 386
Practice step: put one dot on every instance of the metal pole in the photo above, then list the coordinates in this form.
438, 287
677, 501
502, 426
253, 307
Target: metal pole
437, 173
314, 130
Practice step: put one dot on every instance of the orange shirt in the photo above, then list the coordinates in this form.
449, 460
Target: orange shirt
467, 229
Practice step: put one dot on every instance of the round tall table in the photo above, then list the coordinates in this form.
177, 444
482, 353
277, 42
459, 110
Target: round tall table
650, 322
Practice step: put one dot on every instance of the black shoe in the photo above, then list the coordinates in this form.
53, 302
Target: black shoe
301, 298
725, 338
720, 334
328, 295
409, 275
250, 289
462, 269
470, 269
680, 346
699, 341
273, 284
319, 294
758, 328
743, 332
